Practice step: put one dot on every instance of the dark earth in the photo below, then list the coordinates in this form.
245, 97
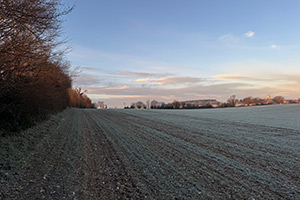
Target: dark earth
119, 154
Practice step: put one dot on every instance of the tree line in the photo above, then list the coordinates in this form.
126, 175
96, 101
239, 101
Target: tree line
35, 78
232, 101
162, 105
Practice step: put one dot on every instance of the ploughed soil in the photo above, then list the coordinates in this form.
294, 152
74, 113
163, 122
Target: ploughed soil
119, 154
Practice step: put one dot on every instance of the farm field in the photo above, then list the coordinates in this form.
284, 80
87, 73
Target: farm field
233, 153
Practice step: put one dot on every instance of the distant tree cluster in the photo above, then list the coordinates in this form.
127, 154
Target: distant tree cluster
248, 101
138, 105
279, 100
34, 77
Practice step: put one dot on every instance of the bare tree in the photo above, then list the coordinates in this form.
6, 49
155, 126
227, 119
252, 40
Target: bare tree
154, 104
231, 101
176, 104
183, 103
140, 105
28, 36
34, 77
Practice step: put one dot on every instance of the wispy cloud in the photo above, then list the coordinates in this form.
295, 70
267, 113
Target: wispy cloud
178, 80
172, 80
84, 79
274, 46
115, 99
124, 87
101, 59
250, 34
142, 80
261, 68
143, 74
228, 76
229, 39
233, 40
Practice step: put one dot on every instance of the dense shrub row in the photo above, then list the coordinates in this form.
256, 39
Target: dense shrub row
34, 78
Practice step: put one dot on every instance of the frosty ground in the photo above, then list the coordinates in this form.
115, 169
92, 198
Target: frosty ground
233, 153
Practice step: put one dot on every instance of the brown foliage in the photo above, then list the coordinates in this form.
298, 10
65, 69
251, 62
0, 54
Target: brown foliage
279, 99
34, 79
79, 99
248, 100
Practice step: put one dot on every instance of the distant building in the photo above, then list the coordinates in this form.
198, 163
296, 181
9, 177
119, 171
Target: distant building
101, 105
268, 100
202, 102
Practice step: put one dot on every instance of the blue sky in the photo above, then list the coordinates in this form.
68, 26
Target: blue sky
166, 50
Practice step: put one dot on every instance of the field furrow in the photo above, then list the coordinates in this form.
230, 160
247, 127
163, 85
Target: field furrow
146, 154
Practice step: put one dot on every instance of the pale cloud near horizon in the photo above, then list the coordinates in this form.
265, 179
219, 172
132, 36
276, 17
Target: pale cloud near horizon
172, 80
124, 87
228, 76
258, 68
142, 79
143, 74
178, 80
250, 34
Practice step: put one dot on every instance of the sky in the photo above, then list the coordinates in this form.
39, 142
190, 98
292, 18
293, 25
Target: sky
168, 50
